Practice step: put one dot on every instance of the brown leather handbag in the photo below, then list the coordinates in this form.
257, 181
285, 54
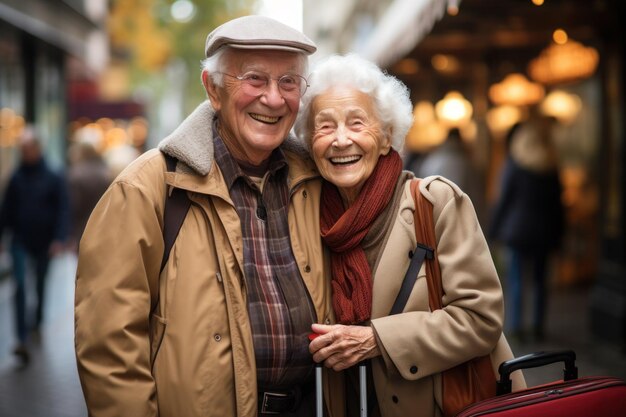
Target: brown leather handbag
468, 382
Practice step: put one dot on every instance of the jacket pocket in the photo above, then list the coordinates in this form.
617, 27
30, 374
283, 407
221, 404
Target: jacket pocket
157, 331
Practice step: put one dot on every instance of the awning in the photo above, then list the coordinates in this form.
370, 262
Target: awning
404, 24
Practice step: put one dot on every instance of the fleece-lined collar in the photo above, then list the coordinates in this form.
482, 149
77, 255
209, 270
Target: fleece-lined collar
192, 141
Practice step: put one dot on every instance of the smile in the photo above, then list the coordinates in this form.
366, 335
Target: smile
345, 160
264, 119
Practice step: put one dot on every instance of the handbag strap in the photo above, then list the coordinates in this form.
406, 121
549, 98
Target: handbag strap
425, 250
425, 232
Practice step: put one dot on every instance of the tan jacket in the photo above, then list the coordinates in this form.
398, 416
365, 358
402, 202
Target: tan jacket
417, 344
193, 356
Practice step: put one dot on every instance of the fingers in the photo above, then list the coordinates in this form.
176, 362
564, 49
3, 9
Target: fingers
340, 347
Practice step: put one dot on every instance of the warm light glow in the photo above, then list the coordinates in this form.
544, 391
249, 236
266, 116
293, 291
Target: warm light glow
453, 110
423, 137
561, 105
537, 2
516, 90
569, 62
11, 127
426, 131
446, 64
500, 119
423, 112
407, 66
453, 10
559, 36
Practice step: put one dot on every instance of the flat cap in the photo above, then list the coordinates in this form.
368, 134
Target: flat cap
258, 32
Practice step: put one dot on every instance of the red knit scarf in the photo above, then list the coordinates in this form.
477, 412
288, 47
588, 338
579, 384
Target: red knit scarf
343, 230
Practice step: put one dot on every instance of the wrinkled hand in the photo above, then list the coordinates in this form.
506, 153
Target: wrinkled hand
340, 347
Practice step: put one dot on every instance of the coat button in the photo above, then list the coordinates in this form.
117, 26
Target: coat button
394, 398
304, 194
217, 337
307, 268
327, 321
413, 369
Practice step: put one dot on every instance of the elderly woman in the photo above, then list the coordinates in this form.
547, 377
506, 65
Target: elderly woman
354, 118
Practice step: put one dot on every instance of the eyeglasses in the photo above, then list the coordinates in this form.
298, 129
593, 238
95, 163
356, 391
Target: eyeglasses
255, 83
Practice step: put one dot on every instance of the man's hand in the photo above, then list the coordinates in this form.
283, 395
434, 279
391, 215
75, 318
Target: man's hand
340, 347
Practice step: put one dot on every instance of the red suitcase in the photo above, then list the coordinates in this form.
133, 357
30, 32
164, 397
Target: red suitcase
572, 397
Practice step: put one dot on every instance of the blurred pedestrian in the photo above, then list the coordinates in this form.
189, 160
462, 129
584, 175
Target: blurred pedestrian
528, 218
452, 160
88, 178
35, 212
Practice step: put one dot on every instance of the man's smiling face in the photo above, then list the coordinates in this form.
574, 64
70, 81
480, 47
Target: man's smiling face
253, 126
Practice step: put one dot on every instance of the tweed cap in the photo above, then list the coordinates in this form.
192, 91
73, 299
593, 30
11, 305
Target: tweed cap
258, 32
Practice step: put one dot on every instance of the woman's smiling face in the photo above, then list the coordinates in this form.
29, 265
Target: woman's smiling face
347, 139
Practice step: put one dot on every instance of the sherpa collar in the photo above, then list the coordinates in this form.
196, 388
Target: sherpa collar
192, 141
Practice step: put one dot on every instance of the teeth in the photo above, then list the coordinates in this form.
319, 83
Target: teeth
264, 119
345, 159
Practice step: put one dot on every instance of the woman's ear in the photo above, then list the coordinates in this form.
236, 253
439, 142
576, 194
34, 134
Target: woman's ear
386, 141
211, 90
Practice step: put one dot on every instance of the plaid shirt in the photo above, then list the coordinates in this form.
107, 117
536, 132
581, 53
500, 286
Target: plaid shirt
279, 305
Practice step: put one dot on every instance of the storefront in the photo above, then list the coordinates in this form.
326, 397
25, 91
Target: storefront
36, 40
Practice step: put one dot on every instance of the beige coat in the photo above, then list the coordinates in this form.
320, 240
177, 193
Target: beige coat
417, 344
193, 356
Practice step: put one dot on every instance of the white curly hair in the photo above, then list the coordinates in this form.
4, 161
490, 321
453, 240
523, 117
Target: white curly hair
391, 96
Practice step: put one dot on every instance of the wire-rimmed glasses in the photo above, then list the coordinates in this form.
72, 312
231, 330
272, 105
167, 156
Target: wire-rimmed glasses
255, 83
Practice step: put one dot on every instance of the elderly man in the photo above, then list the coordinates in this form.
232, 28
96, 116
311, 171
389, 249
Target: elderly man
220, 328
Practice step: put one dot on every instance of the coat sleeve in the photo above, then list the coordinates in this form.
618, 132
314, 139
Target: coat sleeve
420, 343
118, 268
8, 209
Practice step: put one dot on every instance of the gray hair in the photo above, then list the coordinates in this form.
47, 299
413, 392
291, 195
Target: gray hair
216, 62
391, 96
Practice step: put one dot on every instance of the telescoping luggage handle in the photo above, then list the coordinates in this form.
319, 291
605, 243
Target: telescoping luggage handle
534, 360
319, 395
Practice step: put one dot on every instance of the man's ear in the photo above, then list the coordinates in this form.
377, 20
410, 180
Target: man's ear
211, 90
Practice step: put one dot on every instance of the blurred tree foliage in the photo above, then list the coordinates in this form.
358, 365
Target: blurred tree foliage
147, 38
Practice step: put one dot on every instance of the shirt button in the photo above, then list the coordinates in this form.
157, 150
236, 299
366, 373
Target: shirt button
217, 337
413, 369
307, 268
394, 398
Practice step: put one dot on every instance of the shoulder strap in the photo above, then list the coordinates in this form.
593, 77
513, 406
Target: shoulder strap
176, 207
425, 250
425, 232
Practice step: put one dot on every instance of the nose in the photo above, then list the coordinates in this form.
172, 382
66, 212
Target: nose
341, 137
272, 96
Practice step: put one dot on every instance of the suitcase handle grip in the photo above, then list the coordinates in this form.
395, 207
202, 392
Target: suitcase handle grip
534, 360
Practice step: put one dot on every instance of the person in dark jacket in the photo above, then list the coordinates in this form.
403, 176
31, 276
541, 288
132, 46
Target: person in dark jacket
88, 177
528, 218
35, 211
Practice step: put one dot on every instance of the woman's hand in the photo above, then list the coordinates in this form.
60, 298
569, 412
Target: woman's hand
340, 347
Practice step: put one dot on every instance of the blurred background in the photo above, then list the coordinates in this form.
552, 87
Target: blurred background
119, 75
